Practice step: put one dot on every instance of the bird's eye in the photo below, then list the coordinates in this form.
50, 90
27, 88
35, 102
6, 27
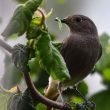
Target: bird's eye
78, 19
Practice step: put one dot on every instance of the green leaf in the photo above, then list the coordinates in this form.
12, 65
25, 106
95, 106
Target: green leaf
21, 19
21, 101
102, 100
34, 66
83, 88
106, 77
15, 100
39, 83
20, 57
50, 58
106, 74
77, 99
34, 29
71, 96
41, 106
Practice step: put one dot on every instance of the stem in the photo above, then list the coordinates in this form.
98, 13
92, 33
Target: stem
6, 46
43, 17
31, 86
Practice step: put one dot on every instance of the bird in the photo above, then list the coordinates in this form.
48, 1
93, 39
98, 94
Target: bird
81, 50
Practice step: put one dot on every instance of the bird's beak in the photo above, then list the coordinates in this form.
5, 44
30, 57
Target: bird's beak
63, 20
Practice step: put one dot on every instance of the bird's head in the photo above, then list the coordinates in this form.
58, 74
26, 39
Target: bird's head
80, 24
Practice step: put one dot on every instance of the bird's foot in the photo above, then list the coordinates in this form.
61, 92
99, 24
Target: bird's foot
66, 106
60, 92
88, 105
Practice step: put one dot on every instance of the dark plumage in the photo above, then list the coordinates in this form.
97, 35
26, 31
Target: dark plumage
82, 49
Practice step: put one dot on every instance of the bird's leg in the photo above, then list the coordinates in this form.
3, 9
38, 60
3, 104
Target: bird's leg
66, 106
60, 93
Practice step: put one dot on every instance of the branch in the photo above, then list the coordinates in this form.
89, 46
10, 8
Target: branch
5, 46
32, 88
38, 96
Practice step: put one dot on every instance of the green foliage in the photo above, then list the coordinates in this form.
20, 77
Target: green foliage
51, 58
21, 101
103, 66
102, 100
20, 57
34, 29
41, 106
39, 83
106, 76
105, 59
83, 88
72, 96
21, 19
34, 66
77, 99
39, 40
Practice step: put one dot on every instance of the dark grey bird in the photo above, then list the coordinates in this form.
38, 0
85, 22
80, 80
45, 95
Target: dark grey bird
82, 49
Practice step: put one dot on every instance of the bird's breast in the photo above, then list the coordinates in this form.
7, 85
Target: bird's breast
80, 56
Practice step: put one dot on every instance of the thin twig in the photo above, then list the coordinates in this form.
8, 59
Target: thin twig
6, 46
38, 96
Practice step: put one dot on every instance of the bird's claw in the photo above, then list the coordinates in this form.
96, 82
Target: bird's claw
91, 105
